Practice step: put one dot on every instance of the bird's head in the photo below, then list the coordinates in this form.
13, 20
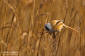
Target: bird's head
49, 28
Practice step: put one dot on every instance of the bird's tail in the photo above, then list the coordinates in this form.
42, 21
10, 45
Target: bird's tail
71, 28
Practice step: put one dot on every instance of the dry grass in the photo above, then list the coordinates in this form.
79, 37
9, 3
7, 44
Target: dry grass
22, 28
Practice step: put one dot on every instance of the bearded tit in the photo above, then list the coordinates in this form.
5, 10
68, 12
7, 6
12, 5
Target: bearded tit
56, 26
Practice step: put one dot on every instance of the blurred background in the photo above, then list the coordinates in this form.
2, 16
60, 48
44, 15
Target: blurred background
22, 30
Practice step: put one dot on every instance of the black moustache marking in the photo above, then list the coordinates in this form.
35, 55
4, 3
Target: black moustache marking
47, 28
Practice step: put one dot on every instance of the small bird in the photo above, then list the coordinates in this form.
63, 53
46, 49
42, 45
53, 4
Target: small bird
56, 26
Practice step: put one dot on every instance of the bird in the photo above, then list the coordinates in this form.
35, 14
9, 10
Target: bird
57, 26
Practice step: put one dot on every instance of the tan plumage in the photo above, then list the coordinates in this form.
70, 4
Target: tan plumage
70, 28
58, 25
53, 22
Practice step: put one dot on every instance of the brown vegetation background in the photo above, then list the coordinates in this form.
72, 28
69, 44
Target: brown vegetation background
22, 23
